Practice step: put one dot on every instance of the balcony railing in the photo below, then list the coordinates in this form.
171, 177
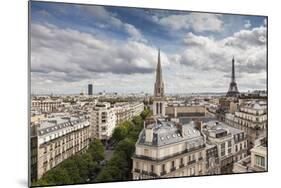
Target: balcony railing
173, 169
153, 174
169, 156
181, 165
163, 173
137, 170
191, 162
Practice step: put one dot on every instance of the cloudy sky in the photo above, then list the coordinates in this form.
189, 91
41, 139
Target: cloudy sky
115, 48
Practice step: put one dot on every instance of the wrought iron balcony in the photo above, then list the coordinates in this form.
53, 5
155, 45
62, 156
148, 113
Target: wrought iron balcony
173, 169
137, 170
153, 174
163, 173
191, 162
169, 156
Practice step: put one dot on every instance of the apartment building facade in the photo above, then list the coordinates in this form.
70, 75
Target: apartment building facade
168, 149
55, 140
103, 121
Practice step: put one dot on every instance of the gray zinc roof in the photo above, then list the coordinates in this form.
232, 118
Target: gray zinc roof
165, 133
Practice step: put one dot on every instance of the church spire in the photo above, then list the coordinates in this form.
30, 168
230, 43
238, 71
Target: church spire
159, 85
159, 101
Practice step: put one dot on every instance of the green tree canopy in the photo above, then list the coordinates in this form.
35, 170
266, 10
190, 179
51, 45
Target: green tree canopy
96, 149
119, 133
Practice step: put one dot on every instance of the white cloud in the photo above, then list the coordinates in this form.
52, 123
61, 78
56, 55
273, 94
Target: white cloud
65, 60
248, 38
133, 32
247, 24
197, 21
265, 22
105, 17
66, 55
205, 54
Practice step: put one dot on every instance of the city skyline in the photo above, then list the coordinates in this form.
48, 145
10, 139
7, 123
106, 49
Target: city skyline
115, 49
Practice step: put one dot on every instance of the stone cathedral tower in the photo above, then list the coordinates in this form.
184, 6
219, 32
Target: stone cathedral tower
159, 102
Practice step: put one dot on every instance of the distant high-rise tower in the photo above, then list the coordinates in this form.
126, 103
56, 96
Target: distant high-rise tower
159, 102
233, 90
90, 89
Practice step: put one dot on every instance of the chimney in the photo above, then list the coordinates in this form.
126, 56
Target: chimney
180, 128
148, 134
149, 121
148, 128
198, 125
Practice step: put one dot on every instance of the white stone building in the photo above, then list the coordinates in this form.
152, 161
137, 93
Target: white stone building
169, 149
257, 161
103, 121
252, 115
56, 139
126, 111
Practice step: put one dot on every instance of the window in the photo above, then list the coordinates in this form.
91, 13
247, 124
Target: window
173, 164
229, 143
200, 168
145, 152
229, 151
152, 168
181, 161
223, 152
222, 149
163, 168
137, 165
241, 135
259, 161
192, 171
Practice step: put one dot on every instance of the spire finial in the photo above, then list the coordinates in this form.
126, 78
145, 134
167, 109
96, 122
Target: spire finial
158, 55
159, 86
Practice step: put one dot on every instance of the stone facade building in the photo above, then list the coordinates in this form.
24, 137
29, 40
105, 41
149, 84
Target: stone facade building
251, 118
103, 121
46, 105
169, 149
126, 111
186, 110
56, 139
231, 144
257, 161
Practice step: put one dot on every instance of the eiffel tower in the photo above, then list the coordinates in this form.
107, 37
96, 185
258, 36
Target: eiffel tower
233, 90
